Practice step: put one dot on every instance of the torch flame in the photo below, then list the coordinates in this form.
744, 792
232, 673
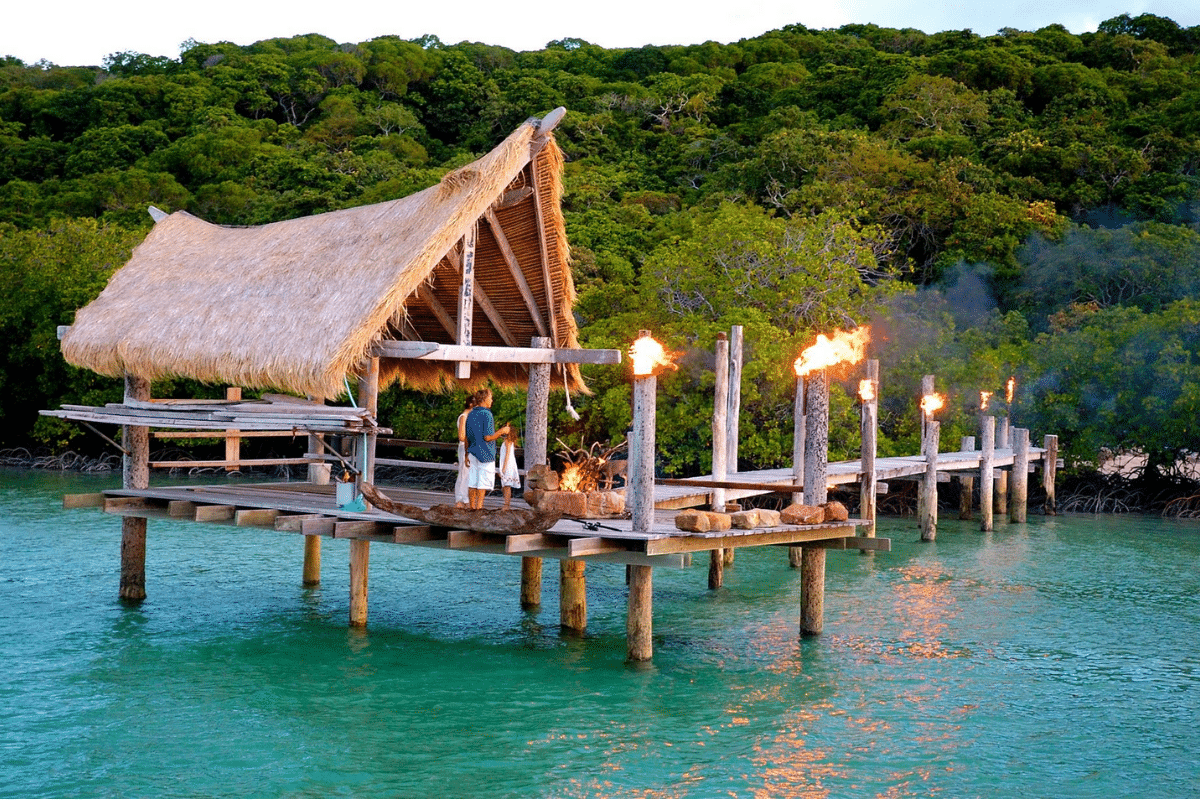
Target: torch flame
1009, 388
931, 403
983, 400
866, 390
844, 347
647, 354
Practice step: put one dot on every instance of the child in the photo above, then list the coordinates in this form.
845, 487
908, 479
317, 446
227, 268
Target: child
510, 478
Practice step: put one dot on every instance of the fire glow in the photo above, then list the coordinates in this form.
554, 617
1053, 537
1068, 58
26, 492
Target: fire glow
844, 347
931, 403
1009, 389
983, 400
866, 390
646, 354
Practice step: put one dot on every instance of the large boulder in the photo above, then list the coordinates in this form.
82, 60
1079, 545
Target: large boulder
768, 518
835, 512
745, 520
692, 520
718, 521
800, 514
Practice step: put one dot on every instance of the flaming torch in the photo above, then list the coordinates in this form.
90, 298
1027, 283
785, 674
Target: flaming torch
811, 439
868, 391
1009, 389
983, 400
927, 507
931, 403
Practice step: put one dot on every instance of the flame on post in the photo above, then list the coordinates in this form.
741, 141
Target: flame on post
866, 390
983, 400
1009, 389
931, 403
844, 347
646, 354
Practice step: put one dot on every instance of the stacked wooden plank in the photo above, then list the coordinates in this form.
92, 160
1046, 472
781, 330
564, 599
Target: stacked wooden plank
273, 413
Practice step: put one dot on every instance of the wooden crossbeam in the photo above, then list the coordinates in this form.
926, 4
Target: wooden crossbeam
528, 542
206, 513
464, 540
439, 311
510, 259
544, 251
255, 517
411, 534
432, 351
591, 546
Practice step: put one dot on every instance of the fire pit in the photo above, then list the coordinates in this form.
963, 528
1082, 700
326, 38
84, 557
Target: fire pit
584, 488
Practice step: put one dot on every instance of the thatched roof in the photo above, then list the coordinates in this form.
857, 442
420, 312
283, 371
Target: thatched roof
298, 305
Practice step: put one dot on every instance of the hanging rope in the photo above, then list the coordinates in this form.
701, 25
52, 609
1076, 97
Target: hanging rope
570, 409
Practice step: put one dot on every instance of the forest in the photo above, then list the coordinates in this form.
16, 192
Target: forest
1022, 205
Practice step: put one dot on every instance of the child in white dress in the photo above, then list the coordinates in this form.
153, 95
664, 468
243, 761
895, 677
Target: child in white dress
460, 485
510, 478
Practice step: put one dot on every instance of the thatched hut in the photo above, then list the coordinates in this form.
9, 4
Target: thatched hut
481, 259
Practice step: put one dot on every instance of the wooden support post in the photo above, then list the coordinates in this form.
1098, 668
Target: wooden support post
572, 595
641, 447
816, 443
135, 474
368, 398
966, 483
1049, 471
987, 466
1020, 475
531, 582
869, 429
360, 562
799, 442
312, 560
1003, 443
720, 419
929, 447
716, 568
928, 386
466, 298
812, 591
233, 444
735, 398
639, 619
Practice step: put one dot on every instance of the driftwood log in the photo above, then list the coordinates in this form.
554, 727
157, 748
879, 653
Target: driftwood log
509, 520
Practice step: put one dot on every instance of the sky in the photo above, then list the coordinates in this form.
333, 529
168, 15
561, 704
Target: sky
83, 32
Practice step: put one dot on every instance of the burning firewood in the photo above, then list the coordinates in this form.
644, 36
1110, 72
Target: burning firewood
585, 468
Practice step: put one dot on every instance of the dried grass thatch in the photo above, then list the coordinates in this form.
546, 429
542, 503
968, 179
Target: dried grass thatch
298, 305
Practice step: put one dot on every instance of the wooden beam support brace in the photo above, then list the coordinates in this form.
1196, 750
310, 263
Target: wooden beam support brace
510, 258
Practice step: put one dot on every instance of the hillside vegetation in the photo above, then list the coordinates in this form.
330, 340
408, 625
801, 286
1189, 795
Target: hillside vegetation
1025, 204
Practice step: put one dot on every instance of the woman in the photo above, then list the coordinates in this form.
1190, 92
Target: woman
461, 496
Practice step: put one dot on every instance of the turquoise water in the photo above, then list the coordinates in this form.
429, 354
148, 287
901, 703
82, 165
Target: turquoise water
1057, 658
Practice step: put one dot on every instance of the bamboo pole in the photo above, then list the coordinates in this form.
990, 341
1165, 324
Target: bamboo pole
1020, 475
572, 595
360, 562
537, 420
870, 437
812, 591
719, 448
639, 620
135, 474
929, 447
966, 483
735, 398
1049, 471
987, 466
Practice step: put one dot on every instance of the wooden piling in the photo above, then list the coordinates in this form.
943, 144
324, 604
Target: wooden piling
735, 398
1049, 471
639, 619
135, 474
531, 582
312, 560
719, 448
870, 436
360, 562
929, 447
1002, 442
816, 443
233, 444
572, 595
812, 591
799, 436
928, 387
987, 466
536, 450
641, 447
1020, 474
966, 483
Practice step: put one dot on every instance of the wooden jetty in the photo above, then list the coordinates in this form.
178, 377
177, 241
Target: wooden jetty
439, 289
